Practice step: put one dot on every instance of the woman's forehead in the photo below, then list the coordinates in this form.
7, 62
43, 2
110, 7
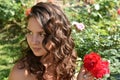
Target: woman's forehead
34, 24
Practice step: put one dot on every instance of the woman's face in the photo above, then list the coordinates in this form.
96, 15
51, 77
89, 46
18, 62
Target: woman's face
35, 37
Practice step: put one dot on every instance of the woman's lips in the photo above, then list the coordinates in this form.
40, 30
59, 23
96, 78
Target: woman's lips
36, 49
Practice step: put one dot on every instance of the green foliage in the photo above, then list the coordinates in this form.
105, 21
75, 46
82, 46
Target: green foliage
102, 31
13, 11
10, 11
12, 18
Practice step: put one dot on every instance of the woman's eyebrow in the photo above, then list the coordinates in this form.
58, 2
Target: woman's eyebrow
39, 31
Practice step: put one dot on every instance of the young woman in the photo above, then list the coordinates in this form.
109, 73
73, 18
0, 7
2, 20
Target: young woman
50, 55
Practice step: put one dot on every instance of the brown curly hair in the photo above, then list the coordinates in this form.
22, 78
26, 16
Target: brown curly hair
58, 32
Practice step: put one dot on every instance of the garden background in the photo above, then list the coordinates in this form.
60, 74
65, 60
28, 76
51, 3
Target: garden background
101, 31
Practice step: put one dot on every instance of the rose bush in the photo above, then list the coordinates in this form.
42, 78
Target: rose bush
101, 33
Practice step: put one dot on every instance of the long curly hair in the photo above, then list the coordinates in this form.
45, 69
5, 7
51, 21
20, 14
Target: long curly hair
58, 32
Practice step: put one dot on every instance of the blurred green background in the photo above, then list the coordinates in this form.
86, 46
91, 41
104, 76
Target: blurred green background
101, 33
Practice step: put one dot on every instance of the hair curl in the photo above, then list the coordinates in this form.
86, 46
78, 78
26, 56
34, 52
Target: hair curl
58, 32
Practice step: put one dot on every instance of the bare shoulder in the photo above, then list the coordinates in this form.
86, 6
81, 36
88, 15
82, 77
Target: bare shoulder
19, 74
16, 73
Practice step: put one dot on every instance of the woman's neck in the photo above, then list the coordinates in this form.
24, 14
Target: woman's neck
47, 60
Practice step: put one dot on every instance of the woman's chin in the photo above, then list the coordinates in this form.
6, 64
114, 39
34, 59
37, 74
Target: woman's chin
38, 53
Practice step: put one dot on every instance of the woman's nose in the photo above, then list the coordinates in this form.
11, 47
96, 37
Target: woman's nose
35, 40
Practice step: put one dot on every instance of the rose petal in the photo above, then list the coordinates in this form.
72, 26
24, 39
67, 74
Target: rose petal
79, 26
118, 11
28, 11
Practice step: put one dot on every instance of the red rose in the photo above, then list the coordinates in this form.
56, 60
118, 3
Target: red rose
90, 60
100, 69
94, 64
118, 11
28, 11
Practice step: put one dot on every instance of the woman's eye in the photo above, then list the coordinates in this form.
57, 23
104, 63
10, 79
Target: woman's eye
42, 34
28, 32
